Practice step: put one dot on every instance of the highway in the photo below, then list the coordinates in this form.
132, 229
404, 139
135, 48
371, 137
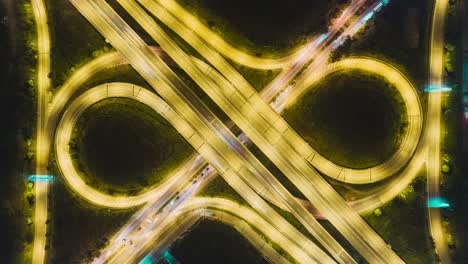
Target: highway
209, 127
436, 63
104, 63
267, 130
307, 170
114, 59
153, 101
362, 176
219, 205
175, 232
42, 155
237, 55
406, 174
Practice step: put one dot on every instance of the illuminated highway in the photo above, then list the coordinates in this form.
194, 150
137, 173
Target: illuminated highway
122, 37
436, 62
120, 25
274, 137
389, 168
151, 100
42, 154
218, 146
105, 61
239, 216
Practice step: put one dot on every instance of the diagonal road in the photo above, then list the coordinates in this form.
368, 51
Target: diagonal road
42, 155
276, 139
433, 126
213, 140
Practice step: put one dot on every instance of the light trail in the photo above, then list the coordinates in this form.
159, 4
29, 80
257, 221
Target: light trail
433, 126
274, 137
42, 155
154, 102
239, 56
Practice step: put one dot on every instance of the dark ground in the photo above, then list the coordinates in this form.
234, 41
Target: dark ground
15, 114
125, 146
211, 242
74, 39
353, 118
265, 26
386, 37
79, 230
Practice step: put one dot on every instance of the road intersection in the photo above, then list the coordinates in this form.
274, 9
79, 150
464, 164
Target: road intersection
223, 150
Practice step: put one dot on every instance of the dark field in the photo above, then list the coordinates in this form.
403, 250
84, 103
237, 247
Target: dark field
264, 26
213, 242
78, 229
353, 118
124, 146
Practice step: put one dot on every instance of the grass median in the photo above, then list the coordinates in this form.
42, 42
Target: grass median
353, 118
221, 243
263, 27
122, 146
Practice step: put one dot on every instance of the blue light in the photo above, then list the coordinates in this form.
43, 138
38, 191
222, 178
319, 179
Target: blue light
377, 7
322, 38
437, 88
168, 258
146, 260
40, 178
367, 17
437, 202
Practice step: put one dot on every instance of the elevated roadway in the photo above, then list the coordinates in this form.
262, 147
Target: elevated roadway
436, 62
150, 99
42, 155
234, 53
253, 116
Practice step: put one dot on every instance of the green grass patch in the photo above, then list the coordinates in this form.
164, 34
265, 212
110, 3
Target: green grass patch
218, 187
263, 27
123, 146
121, 73
403, 224
387, 37
214, 242
353, 118
78, 230
259, 79
74, 39
17, 78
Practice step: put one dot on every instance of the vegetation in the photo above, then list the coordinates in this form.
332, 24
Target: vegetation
454, 183
218, 187
259, 79
78, 230
387, 36
123, 146
121, 73
221, 243
353, 118
403, 224
263, 27
275, 171
17, 77
74, 40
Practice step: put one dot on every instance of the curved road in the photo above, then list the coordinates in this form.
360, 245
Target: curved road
154, 102
405, 150
42, 155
